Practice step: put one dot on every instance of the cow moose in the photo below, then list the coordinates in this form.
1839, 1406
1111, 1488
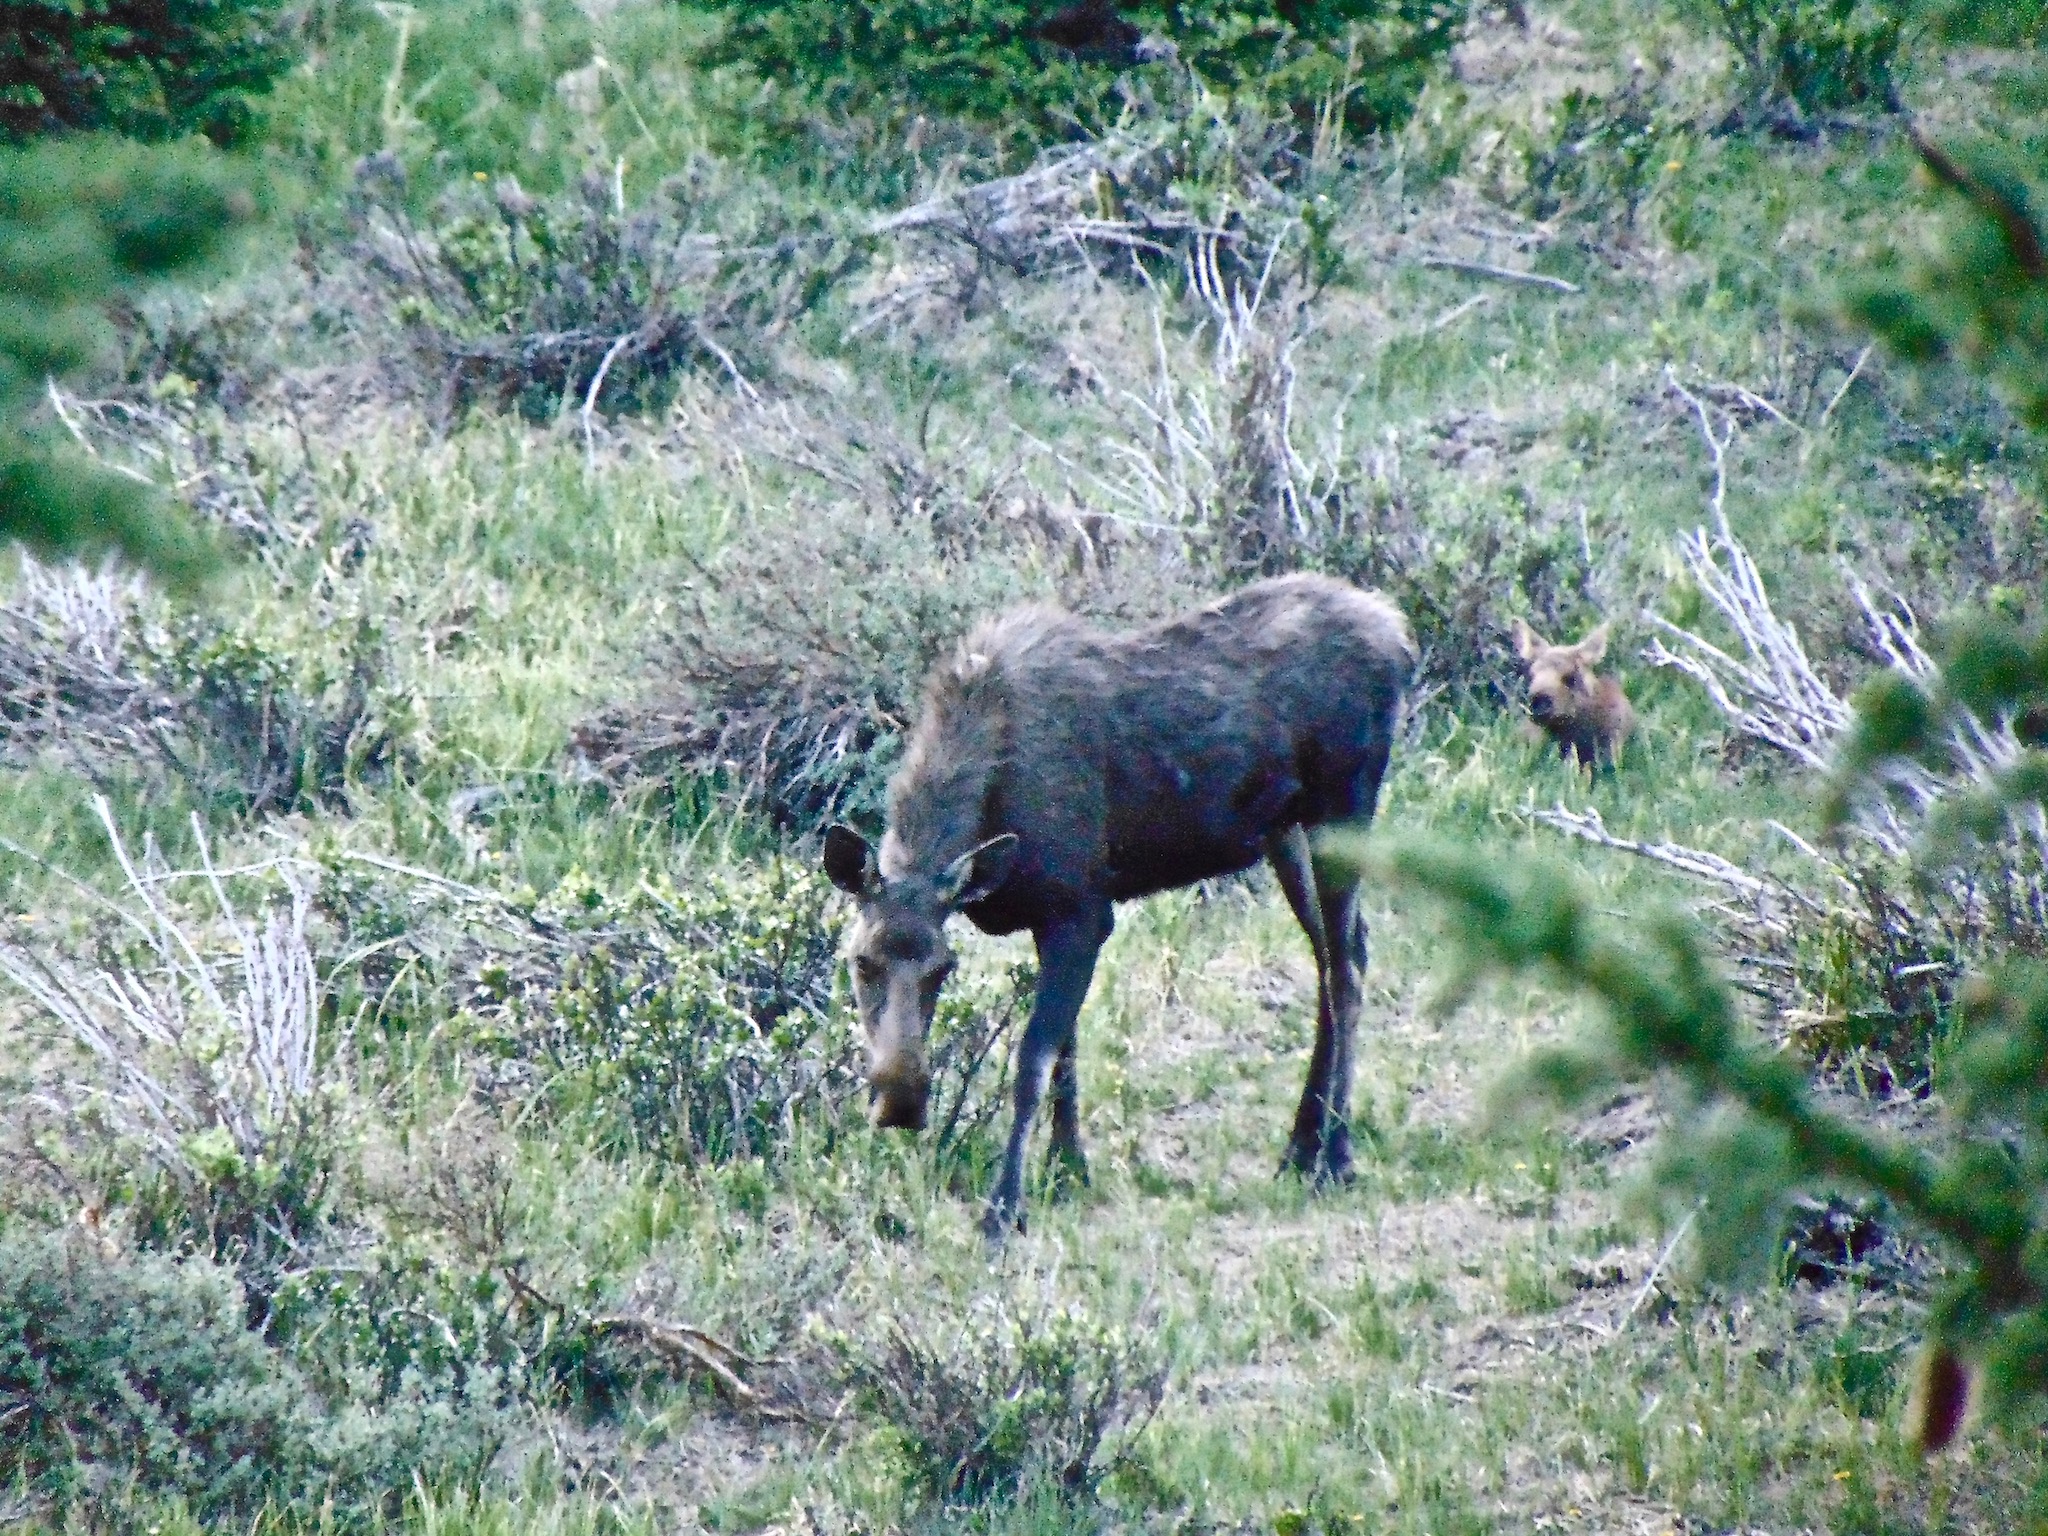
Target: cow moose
1585, 714
1057, 769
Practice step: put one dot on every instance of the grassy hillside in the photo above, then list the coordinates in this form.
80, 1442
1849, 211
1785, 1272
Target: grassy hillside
609, 443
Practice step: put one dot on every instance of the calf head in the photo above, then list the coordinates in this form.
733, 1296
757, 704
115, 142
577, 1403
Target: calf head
900, 959
1561, 677
1584, 713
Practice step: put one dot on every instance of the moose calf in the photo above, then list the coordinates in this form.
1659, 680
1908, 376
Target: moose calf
1587, 715
1058, 770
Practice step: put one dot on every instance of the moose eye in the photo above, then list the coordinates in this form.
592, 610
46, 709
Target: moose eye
867, 972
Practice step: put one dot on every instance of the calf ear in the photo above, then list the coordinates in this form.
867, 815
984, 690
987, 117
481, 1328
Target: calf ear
978, 872
1594, 646
1527, 642
849, 861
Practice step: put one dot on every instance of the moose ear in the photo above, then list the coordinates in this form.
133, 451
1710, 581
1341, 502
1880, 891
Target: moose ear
1594, 646
849, 861
1527, 642
978, 872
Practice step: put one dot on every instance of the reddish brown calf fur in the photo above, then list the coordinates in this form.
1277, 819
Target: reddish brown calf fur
1587, 715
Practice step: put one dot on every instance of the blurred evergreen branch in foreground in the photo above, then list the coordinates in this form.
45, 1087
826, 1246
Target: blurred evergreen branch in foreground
148, 69
84, 224
1749, 1132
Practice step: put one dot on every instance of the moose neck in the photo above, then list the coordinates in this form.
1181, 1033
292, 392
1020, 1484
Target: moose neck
938, 798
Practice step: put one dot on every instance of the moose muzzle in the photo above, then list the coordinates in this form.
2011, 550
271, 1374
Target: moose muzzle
899, 1093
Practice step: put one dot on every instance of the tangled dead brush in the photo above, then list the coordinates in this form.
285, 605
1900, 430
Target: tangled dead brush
70, 683
1209, 467
224, 470
575, 300
790, 671
95, 674
1202, 177
1199, 461
791, 675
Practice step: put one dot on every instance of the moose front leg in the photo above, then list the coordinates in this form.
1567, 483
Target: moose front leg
1066, 964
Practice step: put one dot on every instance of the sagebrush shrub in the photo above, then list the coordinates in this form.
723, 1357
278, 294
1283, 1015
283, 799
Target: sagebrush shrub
988, 1405
140, 1372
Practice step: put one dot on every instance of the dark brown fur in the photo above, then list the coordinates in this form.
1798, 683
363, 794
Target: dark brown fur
1585, 714
1057, 770
1093, 30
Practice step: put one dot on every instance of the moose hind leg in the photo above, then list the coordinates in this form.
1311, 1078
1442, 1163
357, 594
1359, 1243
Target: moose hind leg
1344, 923
1288, 851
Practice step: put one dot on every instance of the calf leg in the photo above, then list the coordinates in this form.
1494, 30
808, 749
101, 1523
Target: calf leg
1288, 852
1066, 964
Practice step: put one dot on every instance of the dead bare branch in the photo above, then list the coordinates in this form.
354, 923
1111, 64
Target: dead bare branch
1499, 274
208, 1028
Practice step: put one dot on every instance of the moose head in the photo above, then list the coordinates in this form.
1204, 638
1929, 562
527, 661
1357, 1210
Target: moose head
900, 958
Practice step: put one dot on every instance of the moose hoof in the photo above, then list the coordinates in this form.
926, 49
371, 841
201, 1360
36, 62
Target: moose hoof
1333, 1168
1335, 1175
1301, 1159
998, 1222
1066, 1170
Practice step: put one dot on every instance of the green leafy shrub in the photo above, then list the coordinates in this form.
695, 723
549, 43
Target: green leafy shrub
568, 300
1459, 570
710, 1021
136, 1378
1003, 62
1008, 1398
697, 1021
149, 69
82, 224
1810, 55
